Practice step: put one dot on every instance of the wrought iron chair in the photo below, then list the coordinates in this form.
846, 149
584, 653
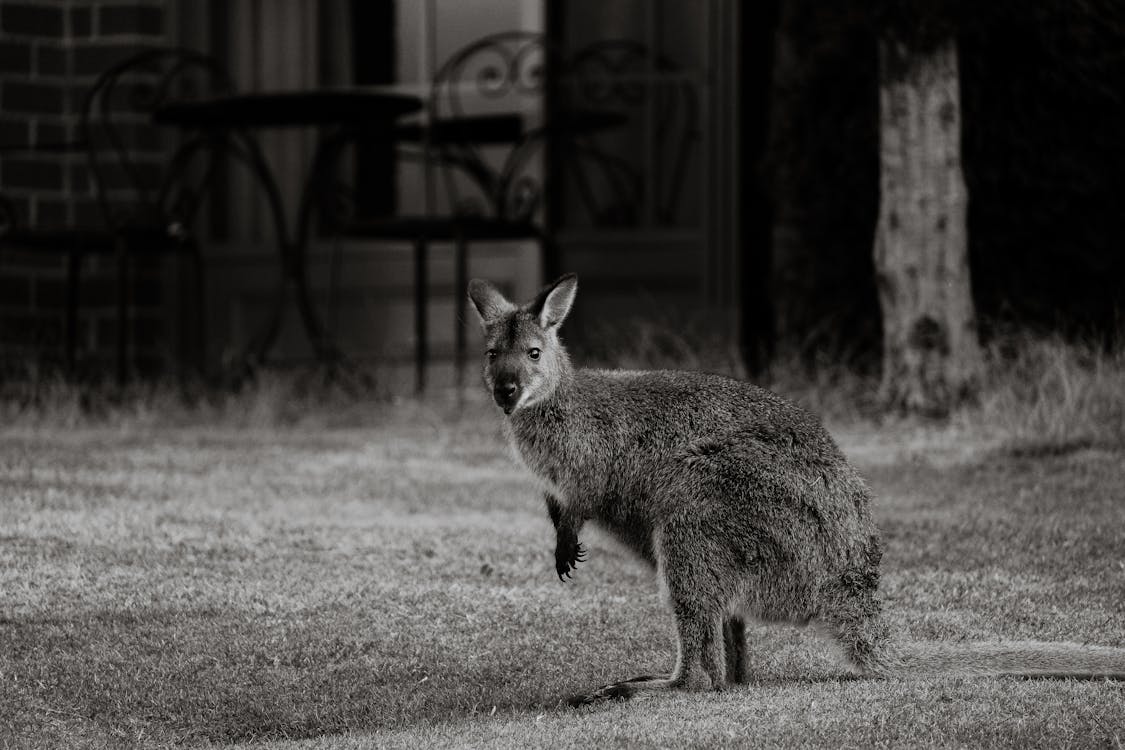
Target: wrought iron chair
602, 177
510, 112
480, 152
148, 195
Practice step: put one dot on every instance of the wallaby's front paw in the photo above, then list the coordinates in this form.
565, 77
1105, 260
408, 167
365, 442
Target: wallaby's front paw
567, 557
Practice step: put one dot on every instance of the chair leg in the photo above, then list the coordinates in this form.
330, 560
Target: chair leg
459, 293
200, 315
420, 333
73, 279
122, 314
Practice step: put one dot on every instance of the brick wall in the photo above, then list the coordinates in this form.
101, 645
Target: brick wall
50, 53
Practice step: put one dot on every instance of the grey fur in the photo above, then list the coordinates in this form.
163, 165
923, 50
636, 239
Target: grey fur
738, 498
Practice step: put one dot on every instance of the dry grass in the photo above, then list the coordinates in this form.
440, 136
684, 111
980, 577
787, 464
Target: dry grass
1045, 394
1039, 394
271, 399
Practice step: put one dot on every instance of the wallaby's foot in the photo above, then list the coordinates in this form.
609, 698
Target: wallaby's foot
626, 689
617, 691
734, 639
568, 553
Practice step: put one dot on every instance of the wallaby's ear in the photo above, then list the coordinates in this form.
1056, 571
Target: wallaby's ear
488, 301
552, 305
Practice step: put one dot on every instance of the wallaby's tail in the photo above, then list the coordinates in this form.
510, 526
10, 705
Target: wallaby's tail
1018, 658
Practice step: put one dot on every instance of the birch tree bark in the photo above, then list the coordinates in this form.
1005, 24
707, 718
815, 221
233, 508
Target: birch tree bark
931, 355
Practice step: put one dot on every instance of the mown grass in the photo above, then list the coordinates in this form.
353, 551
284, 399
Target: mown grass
297, 567
392, 585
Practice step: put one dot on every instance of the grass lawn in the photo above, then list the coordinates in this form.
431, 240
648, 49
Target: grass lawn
393, 586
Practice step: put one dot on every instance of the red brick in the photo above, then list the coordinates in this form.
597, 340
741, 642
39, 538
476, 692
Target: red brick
36, 20
36, 98
80, 179
14, 131
15, 57
137, 137
50, 135
51, 60
78, 95
81, 22
92, 58
114, 177
22, 209
32, 174
130, 19
88, 213
50, 213
130, 103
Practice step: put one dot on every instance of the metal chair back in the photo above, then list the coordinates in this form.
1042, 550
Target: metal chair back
141, 180
484, 142
632, 176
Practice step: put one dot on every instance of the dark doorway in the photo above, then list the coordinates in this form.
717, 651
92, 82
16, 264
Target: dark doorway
758, 23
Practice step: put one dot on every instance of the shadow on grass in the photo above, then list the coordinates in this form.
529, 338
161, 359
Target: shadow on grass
192, 675
217, 676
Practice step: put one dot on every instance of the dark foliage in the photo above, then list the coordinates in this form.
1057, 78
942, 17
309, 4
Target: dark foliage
1043, 112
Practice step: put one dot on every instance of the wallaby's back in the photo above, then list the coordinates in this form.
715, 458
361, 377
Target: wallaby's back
645, 451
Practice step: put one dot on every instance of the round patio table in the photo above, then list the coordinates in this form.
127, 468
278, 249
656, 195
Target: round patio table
370, 111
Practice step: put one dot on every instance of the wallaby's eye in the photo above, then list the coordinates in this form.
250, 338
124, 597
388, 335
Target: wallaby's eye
491, 354
533, 353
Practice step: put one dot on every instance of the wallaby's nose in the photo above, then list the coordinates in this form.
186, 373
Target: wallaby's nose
506, 394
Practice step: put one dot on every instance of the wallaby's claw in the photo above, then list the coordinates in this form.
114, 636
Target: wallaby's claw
568, 553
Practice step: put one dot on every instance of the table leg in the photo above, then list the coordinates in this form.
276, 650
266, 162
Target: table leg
460, 287
73, 281
319, 183
273, 323
122, 312
251, 155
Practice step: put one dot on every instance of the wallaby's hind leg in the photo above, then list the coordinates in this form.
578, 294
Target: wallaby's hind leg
702, 659
734, 634
701, 663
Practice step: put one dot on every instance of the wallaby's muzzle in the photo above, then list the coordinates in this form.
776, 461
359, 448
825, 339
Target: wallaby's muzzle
506, 393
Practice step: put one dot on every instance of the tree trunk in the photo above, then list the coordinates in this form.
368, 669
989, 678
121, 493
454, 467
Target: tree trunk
931, 355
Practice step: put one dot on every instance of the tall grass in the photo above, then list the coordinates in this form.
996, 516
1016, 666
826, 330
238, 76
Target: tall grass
1048, 394
269, 399
673, 342
1038, 394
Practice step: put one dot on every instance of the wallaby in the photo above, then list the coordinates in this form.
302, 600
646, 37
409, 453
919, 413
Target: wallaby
738, 498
